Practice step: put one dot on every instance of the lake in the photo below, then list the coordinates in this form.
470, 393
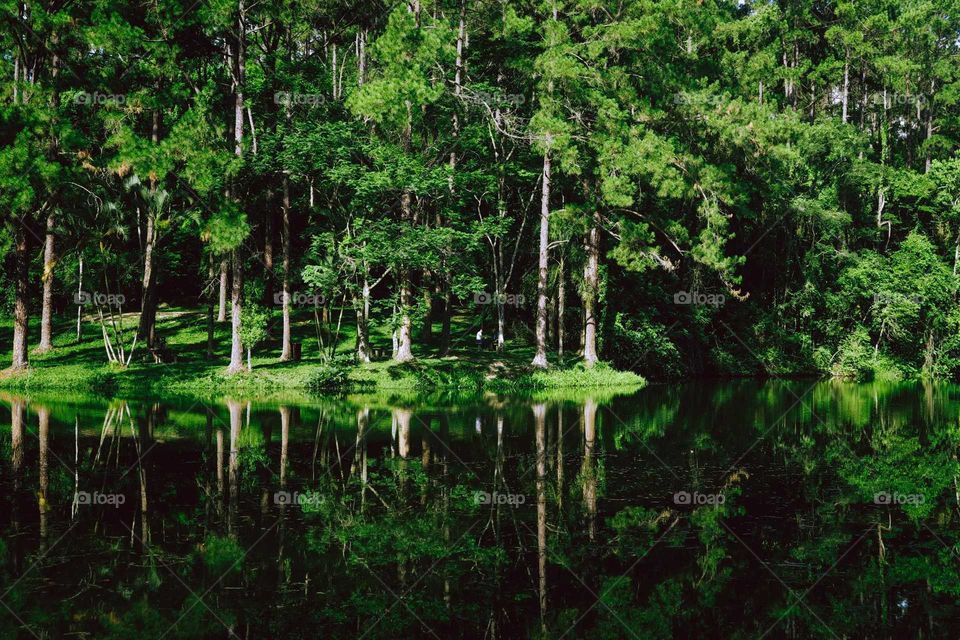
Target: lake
736, 509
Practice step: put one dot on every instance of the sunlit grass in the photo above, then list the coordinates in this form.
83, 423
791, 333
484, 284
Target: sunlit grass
83, 365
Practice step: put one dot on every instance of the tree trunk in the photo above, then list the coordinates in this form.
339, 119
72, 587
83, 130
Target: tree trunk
224, 273
211, 274
286, 351
846, 87
362, 308
79, 291
21, 313
551, 319
501, 321
363, 340
926, 166
404, 338
426, 333
561, 294
591, 279
540, 359
447, 312
404, 346
268, 256
148, 286
236, 298
236, 349
46, 315
455, 121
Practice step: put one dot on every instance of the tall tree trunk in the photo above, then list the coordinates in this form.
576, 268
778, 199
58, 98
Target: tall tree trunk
211, 274
591, 279
21, 313
268, 256
79, 291
286, 350
147, 306
426, 332
236, 348
236, 322
46, 315
404, 338
501, 320
445, 278
224, 276
148, 302
49, 257
551, 319
561, 305
926, 166
540, 359
445, 322
362, 308
846, 87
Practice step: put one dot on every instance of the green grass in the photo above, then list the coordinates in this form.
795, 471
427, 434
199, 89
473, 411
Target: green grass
83, 366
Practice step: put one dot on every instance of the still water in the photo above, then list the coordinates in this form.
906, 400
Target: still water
741, 509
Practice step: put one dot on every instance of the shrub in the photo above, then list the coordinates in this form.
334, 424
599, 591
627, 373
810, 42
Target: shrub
641, 345
330, 376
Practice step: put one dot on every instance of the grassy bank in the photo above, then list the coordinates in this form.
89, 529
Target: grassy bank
83, 365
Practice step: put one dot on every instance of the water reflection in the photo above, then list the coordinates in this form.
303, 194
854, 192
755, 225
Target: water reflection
791, 509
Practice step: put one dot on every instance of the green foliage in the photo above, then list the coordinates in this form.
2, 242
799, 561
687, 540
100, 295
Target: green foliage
220, 555
333, 375
642, 345
800, 160
255, 320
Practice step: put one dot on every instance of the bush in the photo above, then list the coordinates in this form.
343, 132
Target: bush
330, 376
858, 360
641, 345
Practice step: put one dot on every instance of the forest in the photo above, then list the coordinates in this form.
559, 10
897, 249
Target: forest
481, 319
673, 188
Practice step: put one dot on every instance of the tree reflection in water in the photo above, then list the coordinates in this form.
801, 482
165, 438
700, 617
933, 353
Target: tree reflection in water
723, 510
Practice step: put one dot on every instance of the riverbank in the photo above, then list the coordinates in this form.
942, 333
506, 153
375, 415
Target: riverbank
83, 366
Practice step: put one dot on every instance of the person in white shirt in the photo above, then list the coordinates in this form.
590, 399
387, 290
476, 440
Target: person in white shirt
480, 339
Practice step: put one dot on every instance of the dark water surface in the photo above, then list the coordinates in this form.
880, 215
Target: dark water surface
742, 509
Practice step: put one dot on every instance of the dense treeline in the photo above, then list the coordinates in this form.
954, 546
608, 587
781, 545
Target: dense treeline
676, 187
